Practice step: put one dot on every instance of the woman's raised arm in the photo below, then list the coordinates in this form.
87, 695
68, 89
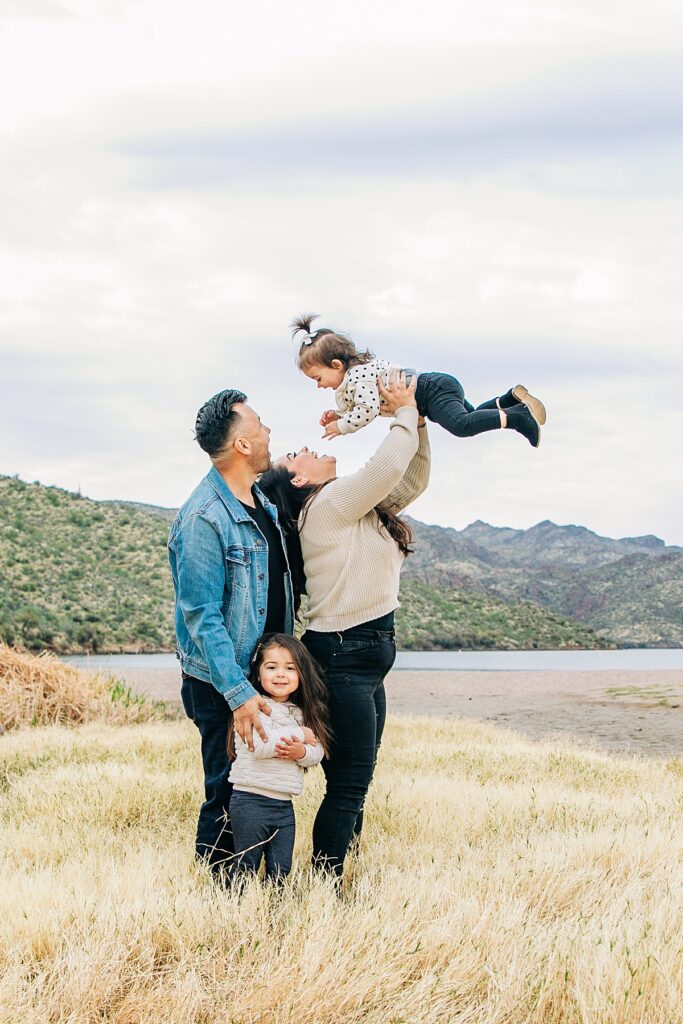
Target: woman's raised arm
355, 495
416, 477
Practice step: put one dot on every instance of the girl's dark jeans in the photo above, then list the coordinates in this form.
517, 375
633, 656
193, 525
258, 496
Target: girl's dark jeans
262, 827
441, 399
354, 664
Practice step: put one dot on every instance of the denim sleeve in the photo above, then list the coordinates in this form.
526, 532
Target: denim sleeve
201, 582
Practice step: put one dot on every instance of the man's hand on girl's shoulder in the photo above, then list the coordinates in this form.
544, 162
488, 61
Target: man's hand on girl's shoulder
246, 718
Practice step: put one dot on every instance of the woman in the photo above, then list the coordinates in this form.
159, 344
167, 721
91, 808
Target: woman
353, 545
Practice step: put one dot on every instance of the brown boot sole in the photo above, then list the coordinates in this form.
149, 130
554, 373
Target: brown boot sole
534, 405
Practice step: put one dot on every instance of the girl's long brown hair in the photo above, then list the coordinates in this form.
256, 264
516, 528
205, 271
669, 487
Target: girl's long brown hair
310, 695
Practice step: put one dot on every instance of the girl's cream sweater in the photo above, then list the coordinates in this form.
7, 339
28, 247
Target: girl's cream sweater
262, 771
352, 564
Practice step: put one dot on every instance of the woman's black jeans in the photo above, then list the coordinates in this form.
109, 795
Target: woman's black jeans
354, 664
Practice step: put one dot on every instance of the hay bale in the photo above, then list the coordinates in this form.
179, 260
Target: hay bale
40, 690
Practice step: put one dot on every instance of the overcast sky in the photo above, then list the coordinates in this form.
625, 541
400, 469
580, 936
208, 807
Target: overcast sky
491, 190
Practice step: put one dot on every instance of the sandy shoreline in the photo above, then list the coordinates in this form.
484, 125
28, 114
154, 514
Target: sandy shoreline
626, 711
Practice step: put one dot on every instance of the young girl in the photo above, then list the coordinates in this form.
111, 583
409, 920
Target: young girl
264, 781
333, 361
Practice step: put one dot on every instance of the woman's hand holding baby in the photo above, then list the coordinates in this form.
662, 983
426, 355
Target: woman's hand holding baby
397, 393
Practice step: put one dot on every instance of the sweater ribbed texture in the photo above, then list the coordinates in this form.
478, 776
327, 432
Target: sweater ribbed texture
352, 565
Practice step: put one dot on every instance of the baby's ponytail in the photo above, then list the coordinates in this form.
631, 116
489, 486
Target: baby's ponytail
323, 345
304, 323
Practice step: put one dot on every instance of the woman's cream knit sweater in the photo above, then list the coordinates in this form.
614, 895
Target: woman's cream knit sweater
352, 564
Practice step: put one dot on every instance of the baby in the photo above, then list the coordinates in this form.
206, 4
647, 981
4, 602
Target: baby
333, 361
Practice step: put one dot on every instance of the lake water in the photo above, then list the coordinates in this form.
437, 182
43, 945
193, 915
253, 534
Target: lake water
452, 661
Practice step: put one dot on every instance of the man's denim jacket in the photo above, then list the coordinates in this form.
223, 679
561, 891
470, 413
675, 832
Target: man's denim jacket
219, 561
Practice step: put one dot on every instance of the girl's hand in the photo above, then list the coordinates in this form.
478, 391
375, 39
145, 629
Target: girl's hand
309, 736
397, 393
332, 430
328, 416
290, 749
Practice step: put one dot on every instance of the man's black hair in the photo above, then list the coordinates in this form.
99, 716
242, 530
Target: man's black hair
215, 420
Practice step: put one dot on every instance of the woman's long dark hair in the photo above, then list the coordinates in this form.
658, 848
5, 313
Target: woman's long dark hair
396, 527
310, 695
276, 484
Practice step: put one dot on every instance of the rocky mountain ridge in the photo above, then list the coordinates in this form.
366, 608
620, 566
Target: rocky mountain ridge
629, 590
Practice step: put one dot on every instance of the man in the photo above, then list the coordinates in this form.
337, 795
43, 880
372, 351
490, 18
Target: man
232, 585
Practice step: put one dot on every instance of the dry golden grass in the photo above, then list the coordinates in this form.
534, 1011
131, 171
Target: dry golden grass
498, 882
42, 691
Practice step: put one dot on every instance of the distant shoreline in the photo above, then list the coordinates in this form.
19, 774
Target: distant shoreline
625, 659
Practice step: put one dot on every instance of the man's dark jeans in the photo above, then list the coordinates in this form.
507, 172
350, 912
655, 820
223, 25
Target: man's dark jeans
263, 827
354, 664
441, 399
211, 713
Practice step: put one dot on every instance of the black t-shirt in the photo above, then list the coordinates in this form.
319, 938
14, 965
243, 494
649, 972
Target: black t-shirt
277, 567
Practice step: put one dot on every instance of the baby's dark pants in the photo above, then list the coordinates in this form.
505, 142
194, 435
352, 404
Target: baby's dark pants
441, 399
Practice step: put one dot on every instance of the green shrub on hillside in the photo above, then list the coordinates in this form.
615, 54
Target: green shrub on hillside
80, 575
439, 619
